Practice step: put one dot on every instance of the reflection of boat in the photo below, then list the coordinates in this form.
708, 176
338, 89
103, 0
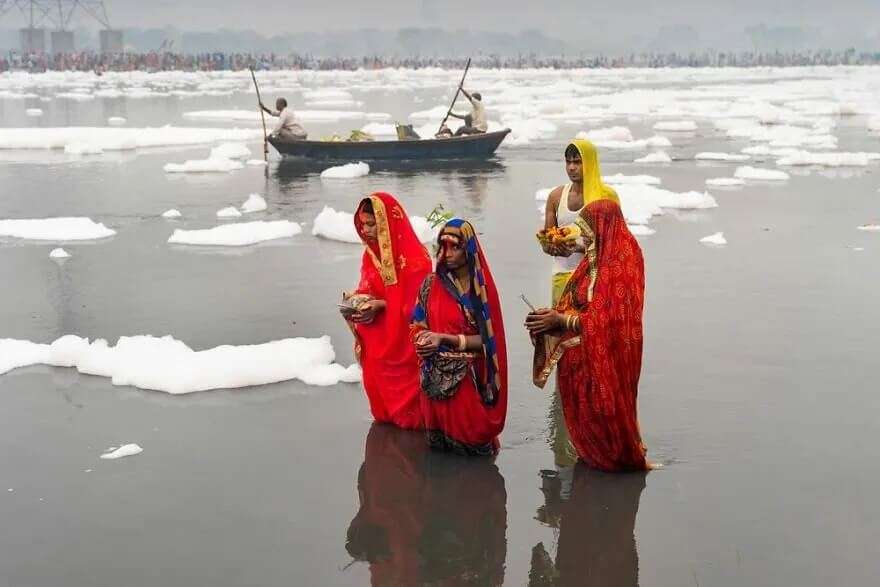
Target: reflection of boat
427, 518
477, 146
596, 524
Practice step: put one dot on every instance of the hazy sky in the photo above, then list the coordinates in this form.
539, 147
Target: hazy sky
559, 18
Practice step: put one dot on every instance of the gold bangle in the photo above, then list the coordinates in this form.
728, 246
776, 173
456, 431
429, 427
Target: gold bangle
462, 342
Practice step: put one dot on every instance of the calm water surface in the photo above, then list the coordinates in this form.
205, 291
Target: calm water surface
758, 389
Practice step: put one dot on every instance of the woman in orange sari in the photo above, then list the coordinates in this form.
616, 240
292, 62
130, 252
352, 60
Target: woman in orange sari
594, 336
459, 336
393, 267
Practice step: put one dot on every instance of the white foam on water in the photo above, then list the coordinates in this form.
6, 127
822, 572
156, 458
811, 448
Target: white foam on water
641, 202
75, 96
172, 213
347, 171
620, 179
339, 226
215, 165
169, 365
301, 115
620, 134
874, 123
543, 194
676, 126
255, 162
230, 151
641, 230
34, 112
58, 253
254, 203
760, 174
833, 159
55, 229
714, 239
116, 121
725, 182
656, 157
126, 450
237, 235
115, 139
869, 227
83, 149
710, 156
228, 212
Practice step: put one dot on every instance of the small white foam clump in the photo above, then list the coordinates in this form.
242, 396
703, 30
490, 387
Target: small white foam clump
870, 227
169, 365
676, 126
714, 239
642, 202
255, 162
126, 450
55, 229
798, 158
339, 226
116, 121
172, 213
543, 194
620, 137
228, 212
58, 253
34, 112
237, 235
641, 230
380, 129
209, 165
347, 171
760, 174
83, 149
657, 157
620, 179
254, 203
725, 182
230, 151
709, 156
613, 133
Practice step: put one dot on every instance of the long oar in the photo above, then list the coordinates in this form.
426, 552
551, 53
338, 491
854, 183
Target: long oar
262, 117
457, 92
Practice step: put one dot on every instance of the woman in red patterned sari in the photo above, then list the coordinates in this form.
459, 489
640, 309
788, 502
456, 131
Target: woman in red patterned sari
393, 267
459, 336
595, 336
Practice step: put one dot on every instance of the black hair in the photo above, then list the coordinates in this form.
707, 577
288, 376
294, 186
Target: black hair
478, 96
282, 101
367, 206
572, 152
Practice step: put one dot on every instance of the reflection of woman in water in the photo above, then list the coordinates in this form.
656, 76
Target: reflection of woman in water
594, 334
427, 517
596, 526
393, 267
459, 337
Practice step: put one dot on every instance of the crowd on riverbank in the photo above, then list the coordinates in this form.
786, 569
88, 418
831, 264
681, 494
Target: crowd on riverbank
218, 61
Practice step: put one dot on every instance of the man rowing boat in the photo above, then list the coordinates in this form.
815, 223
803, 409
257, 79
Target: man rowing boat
288, 126
475, 122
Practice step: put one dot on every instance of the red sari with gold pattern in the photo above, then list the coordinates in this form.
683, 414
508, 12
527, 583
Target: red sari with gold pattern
392, 269
598, 371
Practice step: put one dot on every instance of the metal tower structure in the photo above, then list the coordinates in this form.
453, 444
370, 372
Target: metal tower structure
58, 14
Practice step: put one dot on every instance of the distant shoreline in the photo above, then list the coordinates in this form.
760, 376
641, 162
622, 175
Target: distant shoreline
166, 61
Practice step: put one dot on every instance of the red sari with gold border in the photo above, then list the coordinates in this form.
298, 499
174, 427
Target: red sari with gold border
392, 269
598, 370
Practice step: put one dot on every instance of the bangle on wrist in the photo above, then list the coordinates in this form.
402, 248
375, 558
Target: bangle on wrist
462, 342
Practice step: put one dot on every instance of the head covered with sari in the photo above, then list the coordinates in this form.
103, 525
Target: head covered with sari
481, 302
594, 188
393, 266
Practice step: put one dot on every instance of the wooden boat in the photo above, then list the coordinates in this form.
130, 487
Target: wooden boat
478, 146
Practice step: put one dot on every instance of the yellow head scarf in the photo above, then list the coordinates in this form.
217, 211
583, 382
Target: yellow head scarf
594, 189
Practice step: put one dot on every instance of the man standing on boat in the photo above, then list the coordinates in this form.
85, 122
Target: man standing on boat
475, 122
288, 126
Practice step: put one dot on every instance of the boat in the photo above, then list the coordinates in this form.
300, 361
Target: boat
478, 146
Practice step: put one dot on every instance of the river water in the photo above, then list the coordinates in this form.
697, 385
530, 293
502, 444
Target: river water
758, 389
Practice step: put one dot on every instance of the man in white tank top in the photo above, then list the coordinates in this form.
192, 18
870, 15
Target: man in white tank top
563, 206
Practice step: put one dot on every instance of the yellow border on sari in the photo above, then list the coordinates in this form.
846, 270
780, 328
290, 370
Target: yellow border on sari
385, 264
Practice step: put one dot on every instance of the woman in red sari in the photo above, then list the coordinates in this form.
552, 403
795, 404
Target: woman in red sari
393, 267
459, 336
595, 336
